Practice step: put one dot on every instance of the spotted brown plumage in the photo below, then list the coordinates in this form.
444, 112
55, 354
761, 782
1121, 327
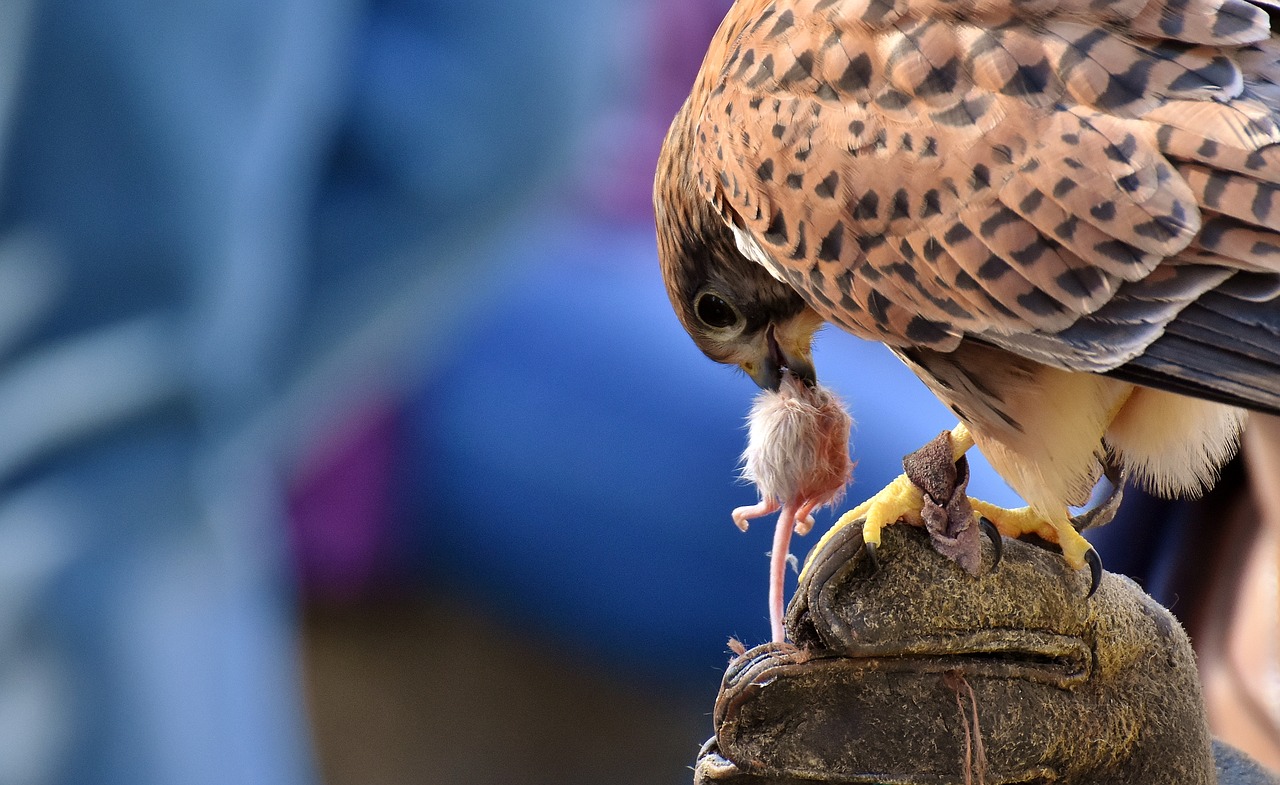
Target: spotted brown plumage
1064, 215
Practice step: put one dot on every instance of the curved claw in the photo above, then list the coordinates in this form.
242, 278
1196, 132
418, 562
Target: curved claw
1094, 561
1104, 511
870, 549
997, 541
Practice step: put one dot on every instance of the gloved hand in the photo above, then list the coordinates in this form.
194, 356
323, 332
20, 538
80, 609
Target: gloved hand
917, 672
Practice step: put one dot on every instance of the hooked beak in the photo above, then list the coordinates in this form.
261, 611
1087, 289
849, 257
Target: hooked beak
777, 361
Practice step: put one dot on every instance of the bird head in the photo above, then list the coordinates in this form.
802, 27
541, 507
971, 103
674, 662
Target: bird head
735, 310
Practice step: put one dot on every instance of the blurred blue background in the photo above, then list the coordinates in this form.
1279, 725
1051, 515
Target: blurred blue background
346, 434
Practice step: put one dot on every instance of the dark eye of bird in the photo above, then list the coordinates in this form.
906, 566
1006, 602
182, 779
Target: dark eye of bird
715, 312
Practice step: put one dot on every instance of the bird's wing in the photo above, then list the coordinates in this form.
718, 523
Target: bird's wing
1224, 347
1088, 184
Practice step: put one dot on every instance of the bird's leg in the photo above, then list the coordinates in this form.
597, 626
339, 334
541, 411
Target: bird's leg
1059, 529
899, 500
1103, 513
902, 500
1024, 520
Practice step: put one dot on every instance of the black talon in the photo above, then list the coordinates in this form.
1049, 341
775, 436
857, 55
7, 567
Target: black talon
870, 549
997, 541
1105, 510
1094, 561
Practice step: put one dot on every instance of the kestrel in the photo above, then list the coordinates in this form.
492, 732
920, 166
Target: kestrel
1063, 215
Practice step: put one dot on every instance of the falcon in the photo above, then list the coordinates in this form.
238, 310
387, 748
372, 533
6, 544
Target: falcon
1063, 215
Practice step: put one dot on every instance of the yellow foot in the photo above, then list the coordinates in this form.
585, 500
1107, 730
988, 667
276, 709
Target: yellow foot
899, 500
1076, 550
902, 500
1024, 520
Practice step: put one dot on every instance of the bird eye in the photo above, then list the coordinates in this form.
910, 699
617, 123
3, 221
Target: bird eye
715, 312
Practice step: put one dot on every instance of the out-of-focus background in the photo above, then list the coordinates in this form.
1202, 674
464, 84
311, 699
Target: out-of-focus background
346, 435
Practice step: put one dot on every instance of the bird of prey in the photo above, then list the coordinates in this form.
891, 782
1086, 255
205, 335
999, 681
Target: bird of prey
1063, 215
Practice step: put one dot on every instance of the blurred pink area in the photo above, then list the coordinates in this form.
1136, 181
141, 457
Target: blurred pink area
616, 183
340, 505
340, 500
